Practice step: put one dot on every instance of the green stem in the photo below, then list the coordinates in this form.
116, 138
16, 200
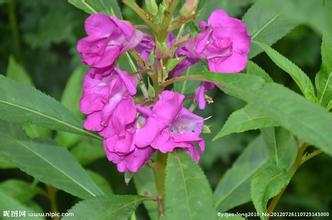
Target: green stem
182, 78
141, 13
160, 173
14, 30
293, 169
168, 16
52, 196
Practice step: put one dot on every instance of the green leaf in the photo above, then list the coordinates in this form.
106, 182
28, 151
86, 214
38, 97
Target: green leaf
16, 72
187, 191
19, 189
145, 185
234, 187
73, 90
8, 203
101, 182
70, 99
98, 6
254, 69
233, 8
323, 79
267, 183
267, 26
245, 119
308, 121
21, 104
320, 19
88, 151
282, 146
104, 208
5, 164
300, 78
46, 162
329, 106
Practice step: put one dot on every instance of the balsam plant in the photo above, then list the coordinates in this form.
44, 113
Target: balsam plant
139, 111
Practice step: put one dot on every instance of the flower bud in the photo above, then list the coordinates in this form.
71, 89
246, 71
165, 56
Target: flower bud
189, 8
152, 6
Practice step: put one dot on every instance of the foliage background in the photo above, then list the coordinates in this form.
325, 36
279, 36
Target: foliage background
45, 48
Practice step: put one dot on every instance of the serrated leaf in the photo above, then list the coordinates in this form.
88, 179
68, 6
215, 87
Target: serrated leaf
308, 121
254, 69
267, 26
109, 7
300, 78
267, 183
145, 185
5, 164
245, 119
21, 103
282, 146
19, 189
101, 182
70, 99
46, 162
323, 79
8, 203
187, 191
16, 72
88, 150
234, 187
298, 11
104, 208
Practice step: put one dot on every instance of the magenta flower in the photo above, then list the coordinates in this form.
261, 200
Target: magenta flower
106, 95
200, 93
122, 151
182, 133
168, 125
162, 114
108, 37
145, 47
224, 43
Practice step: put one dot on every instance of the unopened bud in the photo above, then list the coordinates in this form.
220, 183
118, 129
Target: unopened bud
189, 8
152, 6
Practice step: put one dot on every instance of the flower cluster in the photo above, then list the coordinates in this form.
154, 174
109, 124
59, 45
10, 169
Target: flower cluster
133, 130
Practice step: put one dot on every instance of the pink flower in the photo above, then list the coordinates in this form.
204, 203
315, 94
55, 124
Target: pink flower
224, 43
122, 150
108, 37
162, 114
168, 125
145, 47
106, 95
182, 133
200, 93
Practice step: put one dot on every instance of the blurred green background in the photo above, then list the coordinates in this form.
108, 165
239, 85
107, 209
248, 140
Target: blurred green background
41, 36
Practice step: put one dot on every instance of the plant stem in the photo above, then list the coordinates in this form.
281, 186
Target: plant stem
182, 78
160, 173
168, 15
14, 30
293, 169
141, 13
52, 196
